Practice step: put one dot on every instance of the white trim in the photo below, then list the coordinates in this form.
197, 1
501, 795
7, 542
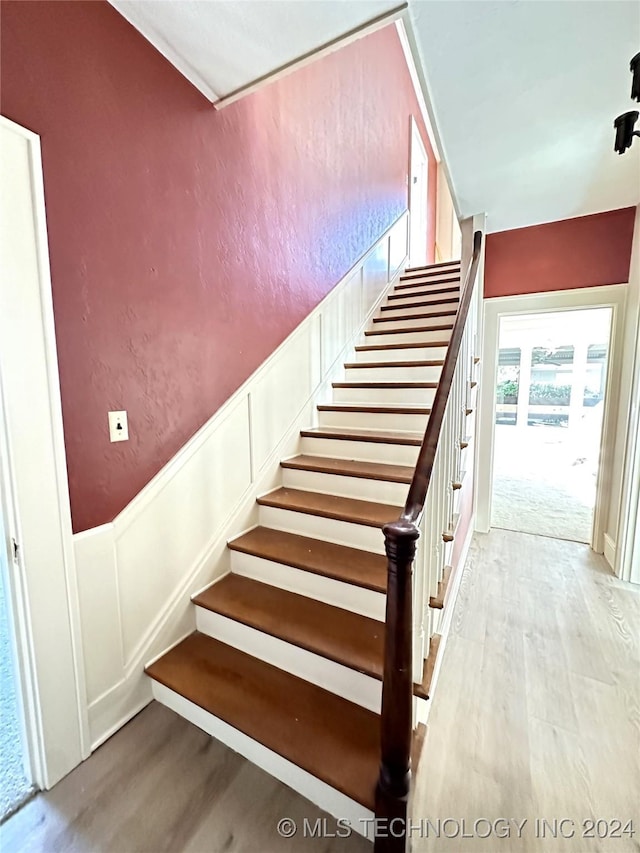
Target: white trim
318, 53
416, 67
417, 157
401, 26
167, 50
57, 746
138, 572
611, 296
627, 565
609, 550
177, 462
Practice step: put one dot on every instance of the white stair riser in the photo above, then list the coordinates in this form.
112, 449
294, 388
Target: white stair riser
414, 323
334, 677
385, 396
299, 780
367, 451
393, 374
431, 275
374, 421
366, 602
405, 354
434, 288
332, 530
411, 310
360, 488
409, 297
404, 337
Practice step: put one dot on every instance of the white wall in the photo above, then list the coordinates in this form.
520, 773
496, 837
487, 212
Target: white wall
136, 574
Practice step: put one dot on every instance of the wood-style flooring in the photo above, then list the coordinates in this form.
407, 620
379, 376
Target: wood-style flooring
537, 709
536, 715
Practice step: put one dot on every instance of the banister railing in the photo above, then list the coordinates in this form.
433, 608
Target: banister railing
401, 537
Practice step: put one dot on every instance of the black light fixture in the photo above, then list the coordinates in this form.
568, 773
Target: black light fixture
624, 131
625, 123
634, 65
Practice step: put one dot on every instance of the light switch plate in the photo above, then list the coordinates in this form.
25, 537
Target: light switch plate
118, 426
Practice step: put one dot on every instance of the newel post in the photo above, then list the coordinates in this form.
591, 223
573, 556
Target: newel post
396, 722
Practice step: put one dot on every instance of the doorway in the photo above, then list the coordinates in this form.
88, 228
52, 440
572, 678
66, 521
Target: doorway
15, 784
418, 199
41, 585
551, 382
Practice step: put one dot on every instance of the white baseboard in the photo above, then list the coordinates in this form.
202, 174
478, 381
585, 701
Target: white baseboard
609, 550
136, 575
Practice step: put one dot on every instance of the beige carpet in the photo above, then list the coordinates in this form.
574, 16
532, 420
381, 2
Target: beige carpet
544, 482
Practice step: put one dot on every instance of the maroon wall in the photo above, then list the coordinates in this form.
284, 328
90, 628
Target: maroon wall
186, 243
584, 252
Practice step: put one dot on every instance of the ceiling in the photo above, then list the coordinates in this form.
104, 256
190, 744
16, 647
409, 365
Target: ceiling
524, 95
222, 46
523, 92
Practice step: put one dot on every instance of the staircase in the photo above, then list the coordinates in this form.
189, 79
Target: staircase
288, 659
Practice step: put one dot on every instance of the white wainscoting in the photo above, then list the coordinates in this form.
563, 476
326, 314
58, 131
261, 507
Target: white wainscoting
136, 575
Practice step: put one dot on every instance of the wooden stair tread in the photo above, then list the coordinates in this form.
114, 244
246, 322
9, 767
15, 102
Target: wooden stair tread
437, 601
413, 293
418, 345
339, 562
385, 385
424, 304
377, 436
351, 468
435, 265
333, 739
424, 316
436, 362
374, 408
347, 638
409, 330
331, 506
422, 689
434, 285
417, 272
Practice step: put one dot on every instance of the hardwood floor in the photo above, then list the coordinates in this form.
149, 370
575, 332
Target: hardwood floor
536, 715
537, 710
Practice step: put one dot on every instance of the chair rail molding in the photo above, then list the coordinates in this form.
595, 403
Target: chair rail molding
137, 573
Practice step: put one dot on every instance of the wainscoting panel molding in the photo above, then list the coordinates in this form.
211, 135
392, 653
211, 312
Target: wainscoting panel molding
136, 575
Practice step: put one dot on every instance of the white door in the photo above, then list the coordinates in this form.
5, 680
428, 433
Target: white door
418, 199
41, 580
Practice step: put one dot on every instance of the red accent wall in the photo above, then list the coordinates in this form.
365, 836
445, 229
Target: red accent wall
583, 252
186, 243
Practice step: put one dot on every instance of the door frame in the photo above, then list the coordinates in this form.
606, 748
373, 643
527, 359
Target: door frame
494, 309
417, 155
43, 593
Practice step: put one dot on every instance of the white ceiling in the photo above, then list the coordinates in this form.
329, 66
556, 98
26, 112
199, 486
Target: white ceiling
523, 92
224, 45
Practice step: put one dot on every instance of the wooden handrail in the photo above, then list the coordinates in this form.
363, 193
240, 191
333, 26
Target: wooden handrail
414, 505
396, 718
